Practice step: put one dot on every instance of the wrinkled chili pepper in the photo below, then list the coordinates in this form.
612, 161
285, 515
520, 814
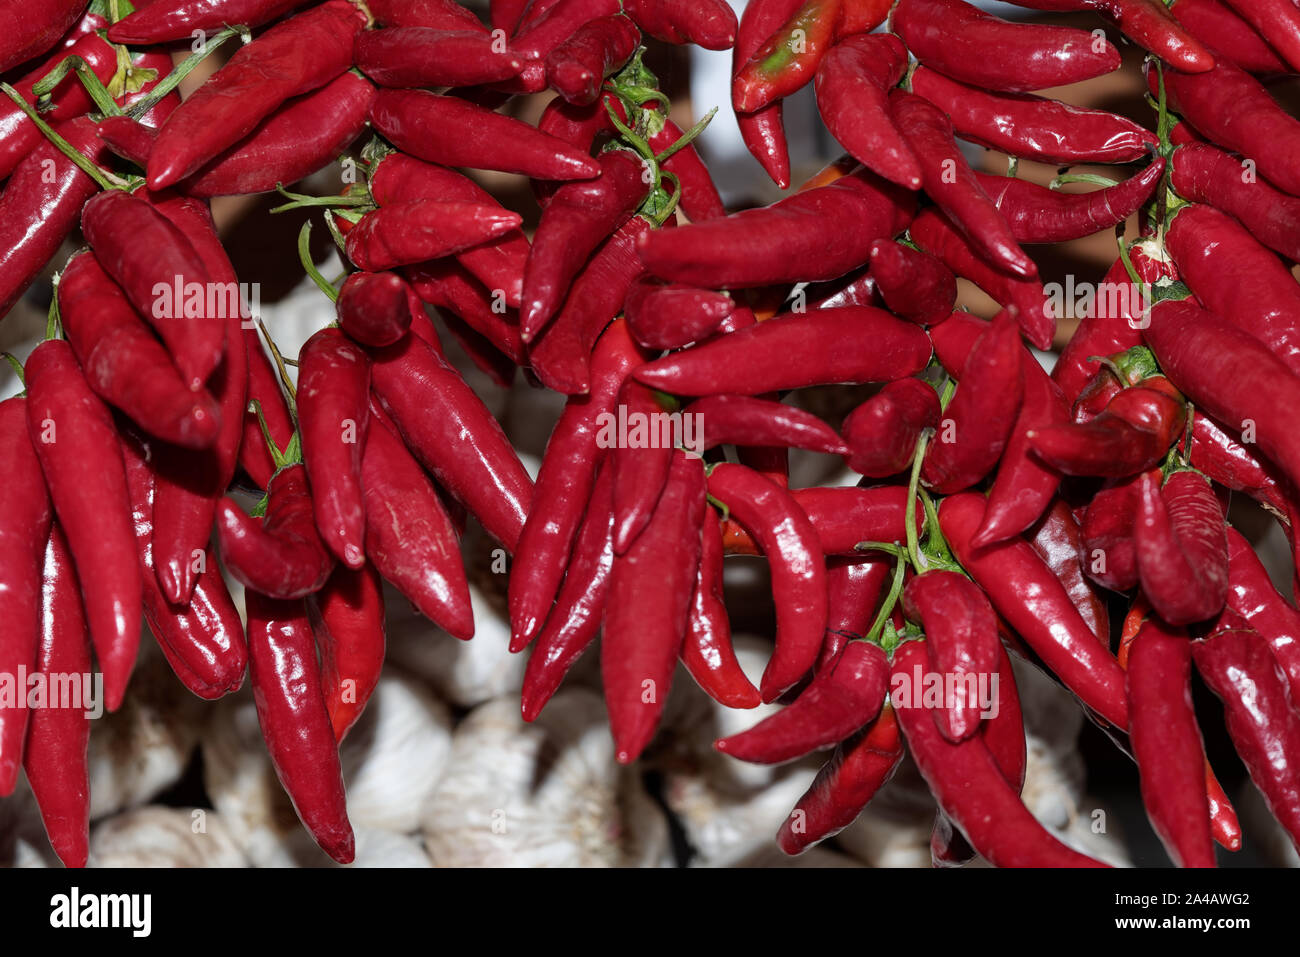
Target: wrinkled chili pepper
457, 295
914, 285
163, 20
1109, 527
1058, 540
671, 315
374, 308
641, 462
1227, 462
576, 68
421, 229
793, 548
763, 130
1252, 596
73, 435
1228, 35
842, 517
1182, 550
410, 57
1278, 23
853, 587
438, 14
30, 33
743, 420
347, 618
882, 432
710, 24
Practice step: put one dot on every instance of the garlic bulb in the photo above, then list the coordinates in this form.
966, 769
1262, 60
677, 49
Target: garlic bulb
22, 834
380, 848
157, 836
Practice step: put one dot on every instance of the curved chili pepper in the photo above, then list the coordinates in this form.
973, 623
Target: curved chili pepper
935, 234
1205, 174
333, 398
347, 618
30, 33
457, 295
788, 58
295, 723
576, 220
789, 353
840, 701
645, 628
546, 25
424, 229
857, 770
24, 522
1252, 596
955, 38
853, 588
1182, 551
784, 242
264, 389
969, 785
1109, 529
671, 315
882, 432
297, 56
1058, 540
853, 83
710, 24
73, 434
123, 362
1235, 661
641, 463
1036, 605
577, 67
1237, 278
793, 551
409, 537
1033, 127
1210, 360
977, 422
1228, 35
1278, 23
707, 652
1227, 462
763, 130
914, 285
961, 643
163, 20
842, 517
1040, 215
744, 420
406, 57
374, 308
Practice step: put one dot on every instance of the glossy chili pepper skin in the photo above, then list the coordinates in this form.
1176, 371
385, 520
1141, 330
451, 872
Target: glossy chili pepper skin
707, 652
40, 206
1252, 596
846, 697
913, 284
644, 629
452, 132
710, 24
853, 588
857, 770
450, 288
123, 362
1167, 743
968, 784
145, 253
785, 241
30, 33
842, 517
671, 315
410, 538
1036, 605
374, 308
347, 617
1059, 542
576, 68
1033, 127
763, 130
576, 220
291, 59
977, 422
1229, 463
955, 38
1236, 277
744, 420
73, 435
24, 522
58, 735
1182, 550
463, 445
787, 353
422, 229
164, 20
1109, 535
1205, 174
283, 553
410, 57
564, 486
1236, 663
1277, 23
295, 723
641, 463
883, 431
438, 14
961, 640
793, 548
1228, 35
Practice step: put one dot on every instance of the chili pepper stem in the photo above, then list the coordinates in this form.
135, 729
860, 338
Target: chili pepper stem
300, 200
99, 94
919, 562
887, 607
304, 257
102, 177
687, 137
182, 70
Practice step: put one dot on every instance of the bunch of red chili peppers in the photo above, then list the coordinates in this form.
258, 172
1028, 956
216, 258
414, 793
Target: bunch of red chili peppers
1001, 509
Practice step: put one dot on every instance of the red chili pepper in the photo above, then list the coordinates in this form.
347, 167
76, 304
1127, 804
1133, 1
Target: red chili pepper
264, 389
763, 130
576, 220
506, 14
295, 723
699, 196
961, 644
1058, 540
1252, 596
784, 242
1230, 464
548, 24
914, 285
1182, 551
789, 353
162, 20
1036, 605
1228, 35
1235, 661
1040, 215
1277, 22
853, 588
853, 83
24, 524
1211, 361
858, 769
72, 432
409, 537
424, 229
577, 67
645, 627
934, 233
333, 397
788, 58
978, 421
846, 697
793, 551
842, 517
641, 462
374, 308
968, 784
671, 315
744, 420
1108, 528
882, 432
1033, 127
424, 56
463, 445
40, 207
710, 24
347, 617
1167, 743
295, 57
1204, 174
30, 33
457, 295
123, 362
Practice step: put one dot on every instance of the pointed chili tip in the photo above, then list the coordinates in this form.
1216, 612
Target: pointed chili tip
177, 585
343, 851
75, 854
354, 556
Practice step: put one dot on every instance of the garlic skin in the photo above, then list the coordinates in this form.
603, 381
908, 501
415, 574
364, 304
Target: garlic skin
380, 848
156, 836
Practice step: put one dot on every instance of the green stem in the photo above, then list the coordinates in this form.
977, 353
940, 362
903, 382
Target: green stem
98, 93
301, 200
304, 257
104, 179
283, 371
1081, 178
12, 359
909, 516
182, 70
891, 600
687, 137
